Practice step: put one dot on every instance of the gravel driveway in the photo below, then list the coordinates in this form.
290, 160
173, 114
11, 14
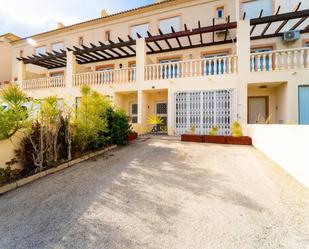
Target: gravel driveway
157, 194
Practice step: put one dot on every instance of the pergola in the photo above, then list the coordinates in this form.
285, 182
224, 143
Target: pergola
201, 36
278, 22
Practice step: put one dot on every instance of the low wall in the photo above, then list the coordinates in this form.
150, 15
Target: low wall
287, 145
7, 148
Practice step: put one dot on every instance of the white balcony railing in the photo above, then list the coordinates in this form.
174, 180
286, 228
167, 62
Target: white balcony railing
118, 76
192, 68
287, 59
48, 82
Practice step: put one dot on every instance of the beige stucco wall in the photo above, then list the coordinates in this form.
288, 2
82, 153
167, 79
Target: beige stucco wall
276, 141
5, 60
7, 148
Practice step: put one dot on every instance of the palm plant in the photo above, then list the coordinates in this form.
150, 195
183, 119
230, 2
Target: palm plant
15, 116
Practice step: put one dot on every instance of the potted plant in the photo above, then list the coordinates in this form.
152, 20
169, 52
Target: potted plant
192, 137
237, 136
132, 135
213, 136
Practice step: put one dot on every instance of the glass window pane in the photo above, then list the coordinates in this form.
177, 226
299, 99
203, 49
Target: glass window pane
141, 29
40, 50
253, 8
57, 46
166, 24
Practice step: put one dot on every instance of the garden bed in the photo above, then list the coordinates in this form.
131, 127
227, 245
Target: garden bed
243, 140
192, 138
23, 181
214, 139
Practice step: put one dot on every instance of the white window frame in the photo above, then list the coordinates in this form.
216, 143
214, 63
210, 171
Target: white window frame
222, 9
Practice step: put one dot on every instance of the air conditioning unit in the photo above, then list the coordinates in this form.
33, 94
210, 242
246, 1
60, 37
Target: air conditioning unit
221, 32
291, 35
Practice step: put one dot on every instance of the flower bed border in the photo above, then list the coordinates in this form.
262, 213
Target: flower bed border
192, 138
214, 139
19, 183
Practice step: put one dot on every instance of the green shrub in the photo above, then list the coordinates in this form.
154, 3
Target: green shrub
118, 128
15, 116
89, 122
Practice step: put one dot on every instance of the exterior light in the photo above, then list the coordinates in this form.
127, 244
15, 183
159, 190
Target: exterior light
31, 41
120, 65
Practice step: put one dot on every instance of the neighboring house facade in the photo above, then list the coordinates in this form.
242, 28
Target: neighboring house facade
193, 63
6, 58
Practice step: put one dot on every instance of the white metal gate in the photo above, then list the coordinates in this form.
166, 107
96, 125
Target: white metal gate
205, 109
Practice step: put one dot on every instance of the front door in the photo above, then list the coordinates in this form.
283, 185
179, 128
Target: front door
161, 111
303, 105
257, 110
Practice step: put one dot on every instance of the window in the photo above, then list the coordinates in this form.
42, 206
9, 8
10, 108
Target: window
166, 25
171, 70
107, 35
306, 44
133, 112
81, 41
40, 50
220, 12
253, 8
140, 29
57, 46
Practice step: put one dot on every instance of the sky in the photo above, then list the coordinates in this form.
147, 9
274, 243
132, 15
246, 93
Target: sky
28, 17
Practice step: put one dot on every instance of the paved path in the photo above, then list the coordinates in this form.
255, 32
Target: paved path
158, 194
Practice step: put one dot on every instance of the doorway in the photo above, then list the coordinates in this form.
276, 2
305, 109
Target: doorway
257, 109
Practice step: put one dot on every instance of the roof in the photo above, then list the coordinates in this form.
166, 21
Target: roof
121, 14
10, 36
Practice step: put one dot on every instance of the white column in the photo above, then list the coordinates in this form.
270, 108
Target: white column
21, 72
140, 60
142, 106
243, 63
171, 112
70, 70
140, 79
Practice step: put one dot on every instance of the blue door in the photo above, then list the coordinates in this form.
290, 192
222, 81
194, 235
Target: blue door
303, 96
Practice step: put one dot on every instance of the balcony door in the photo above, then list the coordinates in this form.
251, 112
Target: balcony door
257, 109
170, 69
261, 61
211, 67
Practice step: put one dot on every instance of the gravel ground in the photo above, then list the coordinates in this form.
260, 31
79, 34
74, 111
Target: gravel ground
161, 194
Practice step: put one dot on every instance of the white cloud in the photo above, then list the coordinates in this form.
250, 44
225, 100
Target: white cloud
27, 17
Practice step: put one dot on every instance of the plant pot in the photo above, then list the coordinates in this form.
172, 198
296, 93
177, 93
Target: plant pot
238, 140
214, 139
192, 138
132, 136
